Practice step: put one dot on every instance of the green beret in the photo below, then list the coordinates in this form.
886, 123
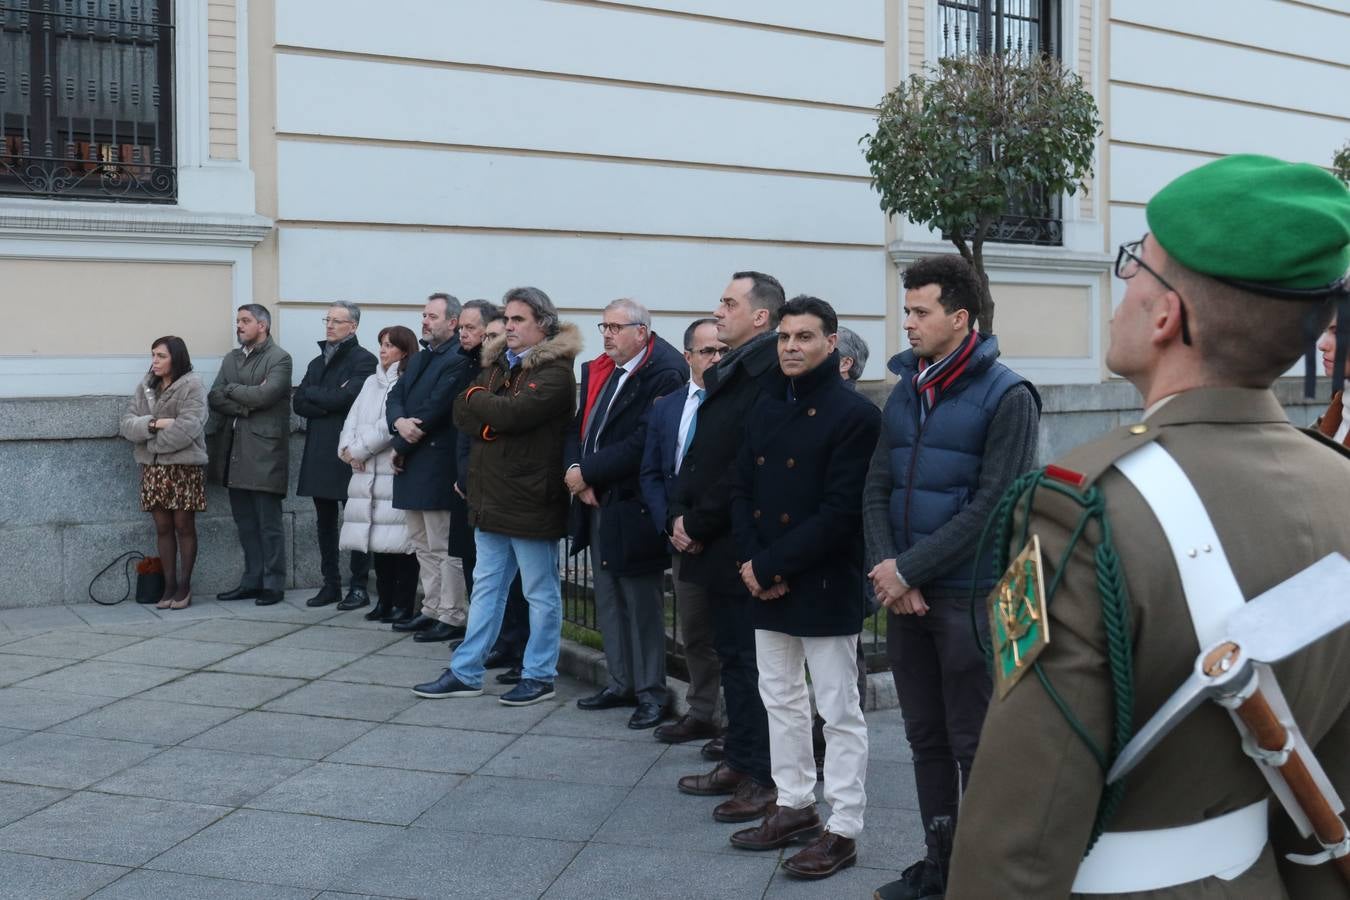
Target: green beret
1256, 219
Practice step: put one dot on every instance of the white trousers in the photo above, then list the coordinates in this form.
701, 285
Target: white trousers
443, 585
782, 686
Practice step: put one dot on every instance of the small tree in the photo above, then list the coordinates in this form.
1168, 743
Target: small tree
1340, 163
952, 146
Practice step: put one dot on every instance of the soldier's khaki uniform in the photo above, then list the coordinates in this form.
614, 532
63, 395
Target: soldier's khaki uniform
1279, 499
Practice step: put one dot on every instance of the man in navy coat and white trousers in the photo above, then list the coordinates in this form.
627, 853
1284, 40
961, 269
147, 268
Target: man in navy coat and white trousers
670, 430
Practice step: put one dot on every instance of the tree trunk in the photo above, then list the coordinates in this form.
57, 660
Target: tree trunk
985, 321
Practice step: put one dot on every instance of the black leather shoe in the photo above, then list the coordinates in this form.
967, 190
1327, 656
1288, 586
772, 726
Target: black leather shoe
417, 623
380, 612
500, 659
355, 599
647, 715
239, 593
510, 676
327, 595
438, 632
606, 699
398, 616
269, 597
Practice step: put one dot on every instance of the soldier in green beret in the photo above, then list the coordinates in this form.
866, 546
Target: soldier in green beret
1213, 498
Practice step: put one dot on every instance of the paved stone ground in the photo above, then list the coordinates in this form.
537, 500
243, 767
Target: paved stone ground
235, 751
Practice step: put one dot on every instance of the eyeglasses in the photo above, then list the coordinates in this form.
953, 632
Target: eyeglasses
615, 328
1128, 263
329, 320
707, 352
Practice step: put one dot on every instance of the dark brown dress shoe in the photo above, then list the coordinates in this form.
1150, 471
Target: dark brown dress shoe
720, 781
751, 801
823, 857
779, 828
714, 750
686, 729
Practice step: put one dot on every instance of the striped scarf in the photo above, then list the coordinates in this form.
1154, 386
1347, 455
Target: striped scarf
935, 377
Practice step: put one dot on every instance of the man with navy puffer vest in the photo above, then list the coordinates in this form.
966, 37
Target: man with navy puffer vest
958, 428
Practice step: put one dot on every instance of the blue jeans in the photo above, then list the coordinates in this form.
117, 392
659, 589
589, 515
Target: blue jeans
499, 556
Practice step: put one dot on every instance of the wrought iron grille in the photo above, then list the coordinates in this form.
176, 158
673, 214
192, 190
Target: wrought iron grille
1022, 28
579, 610
86, 99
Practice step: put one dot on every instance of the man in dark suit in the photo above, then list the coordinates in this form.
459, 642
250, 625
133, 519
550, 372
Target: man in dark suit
328, 390
425, 439
797, 517
670, 429
699, 524
628, 553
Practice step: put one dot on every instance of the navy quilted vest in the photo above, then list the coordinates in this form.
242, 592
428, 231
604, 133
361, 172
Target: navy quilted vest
935, 468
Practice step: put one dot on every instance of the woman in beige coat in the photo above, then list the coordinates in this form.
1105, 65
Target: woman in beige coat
165, 421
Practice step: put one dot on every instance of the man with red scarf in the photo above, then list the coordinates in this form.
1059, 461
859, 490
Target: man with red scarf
958, 428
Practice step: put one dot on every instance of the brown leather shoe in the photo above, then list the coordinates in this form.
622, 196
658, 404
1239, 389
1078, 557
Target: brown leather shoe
687, 729
751, 801
720, 781
778, 829
714, 750
823, 857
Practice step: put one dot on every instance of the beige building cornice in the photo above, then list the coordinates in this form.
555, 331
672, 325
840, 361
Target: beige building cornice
129, 223
1010, 256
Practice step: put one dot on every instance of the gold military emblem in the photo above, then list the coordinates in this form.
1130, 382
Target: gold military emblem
1017, 618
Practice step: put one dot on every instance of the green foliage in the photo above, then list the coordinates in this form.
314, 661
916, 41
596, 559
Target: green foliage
952, 146
1340, 163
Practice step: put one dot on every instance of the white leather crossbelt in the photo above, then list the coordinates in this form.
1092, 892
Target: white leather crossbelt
1223, 847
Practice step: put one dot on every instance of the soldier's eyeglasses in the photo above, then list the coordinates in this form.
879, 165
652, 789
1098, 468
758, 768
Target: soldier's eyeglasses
1128, 263
615, 328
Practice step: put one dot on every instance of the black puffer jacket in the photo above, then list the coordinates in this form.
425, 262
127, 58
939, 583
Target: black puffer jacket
327, 391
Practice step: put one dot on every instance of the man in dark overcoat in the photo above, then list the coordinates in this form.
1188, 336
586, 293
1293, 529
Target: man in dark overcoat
248, 445
425, 440
797, 518
699, 525
324, 396
628, 552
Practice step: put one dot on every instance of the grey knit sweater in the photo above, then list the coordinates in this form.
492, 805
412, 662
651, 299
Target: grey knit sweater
1009, 451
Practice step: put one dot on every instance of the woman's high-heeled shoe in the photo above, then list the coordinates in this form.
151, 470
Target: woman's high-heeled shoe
165, 602
182, 604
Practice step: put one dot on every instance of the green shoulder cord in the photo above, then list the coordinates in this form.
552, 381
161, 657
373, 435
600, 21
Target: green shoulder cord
1115, 615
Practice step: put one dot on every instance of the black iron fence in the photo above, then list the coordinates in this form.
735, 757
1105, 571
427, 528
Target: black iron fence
86, 99
579, 611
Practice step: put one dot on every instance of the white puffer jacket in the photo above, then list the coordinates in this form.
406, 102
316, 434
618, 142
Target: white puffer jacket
370, 523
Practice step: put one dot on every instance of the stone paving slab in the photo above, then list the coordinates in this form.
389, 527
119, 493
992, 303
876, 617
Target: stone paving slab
433, 864
102, 828
552, 758
606, 870
516, 807
277, 848
144, 884
15, 668
215, 777
375, 703
285, 662
223, 689
425, 749
174, 652
147, 721
362, 793
315, 772
280, 734
34, 710
70, 643
102, 678
346, 640
67, 760
27, 877
19, 800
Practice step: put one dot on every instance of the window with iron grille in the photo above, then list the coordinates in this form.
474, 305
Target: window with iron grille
86, 99
1022, 28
